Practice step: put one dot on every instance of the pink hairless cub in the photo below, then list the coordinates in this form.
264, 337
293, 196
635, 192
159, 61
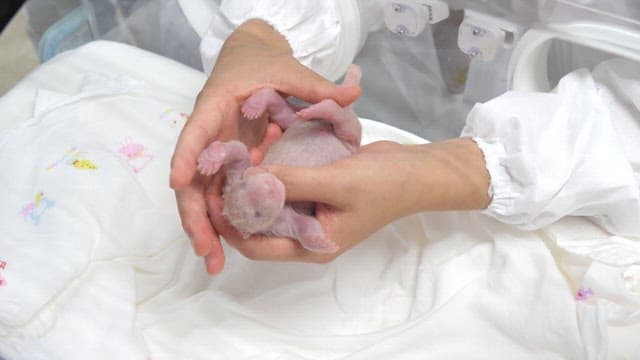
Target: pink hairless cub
254, 200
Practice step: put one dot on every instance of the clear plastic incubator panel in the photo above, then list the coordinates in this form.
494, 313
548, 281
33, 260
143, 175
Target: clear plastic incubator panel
425, 62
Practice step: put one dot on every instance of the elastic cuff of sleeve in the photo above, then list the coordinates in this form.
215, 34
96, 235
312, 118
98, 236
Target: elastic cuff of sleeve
503, 192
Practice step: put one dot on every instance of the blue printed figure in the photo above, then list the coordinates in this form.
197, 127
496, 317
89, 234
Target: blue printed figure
34, 210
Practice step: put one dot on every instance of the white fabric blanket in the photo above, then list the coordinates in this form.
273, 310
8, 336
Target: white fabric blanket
94, 263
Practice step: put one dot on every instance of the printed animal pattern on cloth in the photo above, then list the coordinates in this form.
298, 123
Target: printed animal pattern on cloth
35, 210
135, 154
584, 294
3, 265
173, 117
74, 158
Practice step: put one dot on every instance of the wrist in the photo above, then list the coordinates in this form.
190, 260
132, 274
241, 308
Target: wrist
261, 33
451, 175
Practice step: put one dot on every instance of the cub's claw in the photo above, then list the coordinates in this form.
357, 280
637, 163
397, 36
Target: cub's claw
250, 113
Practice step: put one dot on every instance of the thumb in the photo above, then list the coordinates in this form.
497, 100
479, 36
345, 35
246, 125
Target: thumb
317, 184
344, 95
313, 88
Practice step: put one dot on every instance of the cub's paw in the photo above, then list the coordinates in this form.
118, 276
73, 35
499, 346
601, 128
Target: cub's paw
212, 158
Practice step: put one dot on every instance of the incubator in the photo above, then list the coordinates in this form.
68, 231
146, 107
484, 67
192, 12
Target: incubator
433, 59
110, 273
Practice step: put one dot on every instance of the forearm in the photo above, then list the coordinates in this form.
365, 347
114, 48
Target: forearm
248, 59
254, 39
451, 175
257, 32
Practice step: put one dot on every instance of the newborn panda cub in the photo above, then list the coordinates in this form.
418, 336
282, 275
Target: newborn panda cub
254, 200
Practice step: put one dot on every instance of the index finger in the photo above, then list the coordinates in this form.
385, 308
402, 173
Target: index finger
318, 184
193, 214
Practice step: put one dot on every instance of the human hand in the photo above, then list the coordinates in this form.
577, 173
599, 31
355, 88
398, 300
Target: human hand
358, 195
254, 56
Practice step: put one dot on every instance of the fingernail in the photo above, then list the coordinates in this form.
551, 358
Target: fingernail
211, 262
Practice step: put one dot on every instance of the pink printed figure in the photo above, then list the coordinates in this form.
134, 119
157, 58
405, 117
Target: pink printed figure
136, 155
3, 264
584, 294
254, 200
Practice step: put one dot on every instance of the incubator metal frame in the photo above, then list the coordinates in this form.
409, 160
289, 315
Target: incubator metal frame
526, 29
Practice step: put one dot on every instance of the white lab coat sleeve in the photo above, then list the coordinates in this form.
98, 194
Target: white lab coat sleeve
324, 35
555, 154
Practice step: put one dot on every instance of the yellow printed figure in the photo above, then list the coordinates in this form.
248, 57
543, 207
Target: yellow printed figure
174, 118
72, 158
84, 164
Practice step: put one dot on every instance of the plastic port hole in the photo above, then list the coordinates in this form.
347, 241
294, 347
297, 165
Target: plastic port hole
509, 37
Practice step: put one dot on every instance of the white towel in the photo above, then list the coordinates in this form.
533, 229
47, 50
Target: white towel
84, 181
98, 265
